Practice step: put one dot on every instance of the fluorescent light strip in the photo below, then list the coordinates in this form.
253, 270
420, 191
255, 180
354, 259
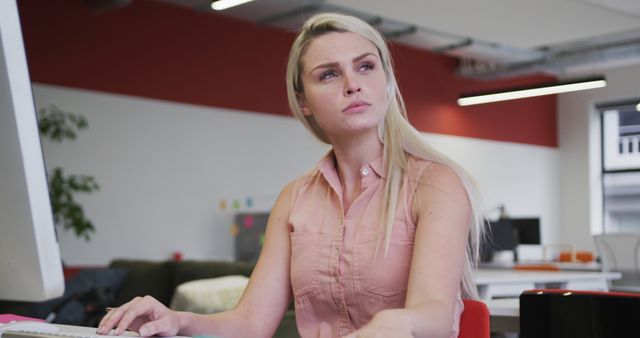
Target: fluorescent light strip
519, 94
224, 4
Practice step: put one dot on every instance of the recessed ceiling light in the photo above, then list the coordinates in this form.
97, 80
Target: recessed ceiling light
544, 89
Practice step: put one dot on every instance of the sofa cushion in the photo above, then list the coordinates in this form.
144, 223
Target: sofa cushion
186, 271
145, 278
209, 295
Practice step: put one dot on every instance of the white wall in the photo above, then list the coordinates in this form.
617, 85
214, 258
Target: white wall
580, 155
163, 168
522, 177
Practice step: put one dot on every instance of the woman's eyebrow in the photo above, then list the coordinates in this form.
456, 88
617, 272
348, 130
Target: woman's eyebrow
356, 59
334, 64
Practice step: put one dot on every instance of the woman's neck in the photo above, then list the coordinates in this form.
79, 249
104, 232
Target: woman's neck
351, 156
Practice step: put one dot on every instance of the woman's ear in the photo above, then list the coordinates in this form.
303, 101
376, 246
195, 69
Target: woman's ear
302, 103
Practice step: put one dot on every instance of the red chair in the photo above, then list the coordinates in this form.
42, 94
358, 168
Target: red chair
475, 319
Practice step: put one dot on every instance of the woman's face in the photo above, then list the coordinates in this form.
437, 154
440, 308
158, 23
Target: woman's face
344, 84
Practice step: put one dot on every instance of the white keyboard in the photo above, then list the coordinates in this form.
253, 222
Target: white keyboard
35, 329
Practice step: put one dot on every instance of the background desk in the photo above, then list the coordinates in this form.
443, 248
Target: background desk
563, 266
505, 314
503, 283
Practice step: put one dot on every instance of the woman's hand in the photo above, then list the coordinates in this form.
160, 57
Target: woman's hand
145, 315
386, 323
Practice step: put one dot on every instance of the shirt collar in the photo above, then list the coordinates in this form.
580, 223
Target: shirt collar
378, 167
327, 166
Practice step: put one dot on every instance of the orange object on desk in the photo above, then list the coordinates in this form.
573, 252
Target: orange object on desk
537, 267
573, 256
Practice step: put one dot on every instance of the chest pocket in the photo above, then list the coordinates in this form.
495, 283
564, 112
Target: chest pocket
305, 255
383, 277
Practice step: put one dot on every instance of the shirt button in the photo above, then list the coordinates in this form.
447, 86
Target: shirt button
337, 279
337, 251
364, 171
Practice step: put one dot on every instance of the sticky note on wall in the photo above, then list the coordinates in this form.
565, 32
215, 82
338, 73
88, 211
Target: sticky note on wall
247, 221
234, 230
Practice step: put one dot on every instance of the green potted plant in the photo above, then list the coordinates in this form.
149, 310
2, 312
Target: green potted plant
59, 126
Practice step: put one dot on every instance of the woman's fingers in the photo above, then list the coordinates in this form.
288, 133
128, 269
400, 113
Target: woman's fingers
137, 311
113, 316
147, 307
164, 326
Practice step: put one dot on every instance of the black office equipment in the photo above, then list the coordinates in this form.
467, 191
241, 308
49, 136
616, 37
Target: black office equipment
578, 314
527, 230
507, 234
251, 229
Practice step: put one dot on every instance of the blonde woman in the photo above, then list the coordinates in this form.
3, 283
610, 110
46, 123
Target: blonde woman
380, 240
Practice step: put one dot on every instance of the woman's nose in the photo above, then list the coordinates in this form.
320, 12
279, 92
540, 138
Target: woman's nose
351, 86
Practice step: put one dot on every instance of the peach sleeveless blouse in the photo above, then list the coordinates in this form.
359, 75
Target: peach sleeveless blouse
338, 282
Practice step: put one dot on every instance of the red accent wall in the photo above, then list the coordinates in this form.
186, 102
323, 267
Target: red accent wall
157, 50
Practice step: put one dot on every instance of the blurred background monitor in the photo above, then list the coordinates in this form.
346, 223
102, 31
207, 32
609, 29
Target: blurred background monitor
505, 234
527, 229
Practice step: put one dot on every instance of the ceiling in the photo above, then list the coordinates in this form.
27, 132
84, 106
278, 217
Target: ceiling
492, 38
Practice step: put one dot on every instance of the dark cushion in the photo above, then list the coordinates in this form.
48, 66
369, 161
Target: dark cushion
85, 297
145, 278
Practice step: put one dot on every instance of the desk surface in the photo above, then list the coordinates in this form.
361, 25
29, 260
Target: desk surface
505, 307
507, 276
563, 266
505, 314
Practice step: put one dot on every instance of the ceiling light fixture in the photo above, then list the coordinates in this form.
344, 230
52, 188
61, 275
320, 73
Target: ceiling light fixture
539, 90
220, 5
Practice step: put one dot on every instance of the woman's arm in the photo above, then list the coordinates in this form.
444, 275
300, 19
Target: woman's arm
444, 215
258, 312
267, 296
443, 212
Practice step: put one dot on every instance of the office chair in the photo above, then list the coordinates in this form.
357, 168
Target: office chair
620, 252
578, 314
474, 320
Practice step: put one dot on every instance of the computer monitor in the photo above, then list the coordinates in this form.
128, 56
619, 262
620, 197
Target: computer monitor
30, 264
500, 236
508, 233
527, 229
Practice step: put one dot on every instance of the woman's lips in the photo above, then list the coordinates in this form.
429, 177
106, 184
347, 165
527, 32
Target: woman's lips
356, 107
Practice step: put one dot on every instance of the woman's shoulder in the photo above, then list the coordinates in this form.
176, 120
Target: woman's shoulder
416, 166
304, 180
308, 176
433, 173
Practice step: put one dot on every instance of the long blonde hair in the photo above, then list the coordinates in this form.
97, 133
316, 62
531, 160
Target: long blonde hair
399, 138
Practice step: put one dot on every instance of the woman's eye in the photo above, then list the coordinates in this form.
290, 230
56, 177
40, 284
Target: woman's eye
328, 74
366, 66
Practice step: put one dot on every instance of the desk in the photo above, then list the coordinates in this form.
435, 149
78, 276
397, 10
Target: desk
562, 266
505, 283
505, 314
